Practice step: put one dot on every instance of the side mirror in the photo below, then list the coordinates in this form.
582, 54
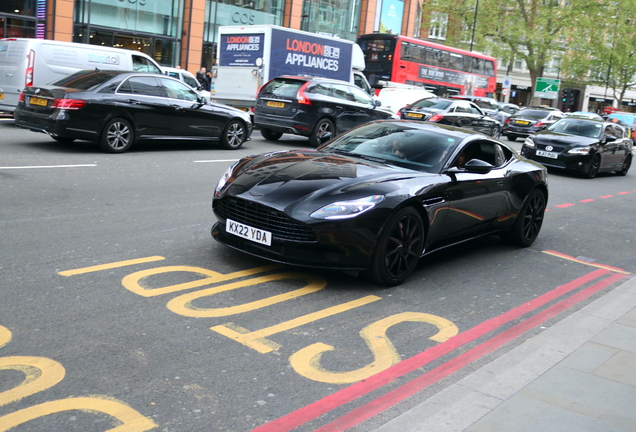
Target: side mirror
475, 166
377, 102
608, 138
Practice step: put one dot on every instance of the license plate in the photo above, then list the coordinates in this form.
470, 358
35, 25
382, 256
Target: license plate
38, 101
275, 104
551, 155
1, 96
414, 115
249, 233
522, 122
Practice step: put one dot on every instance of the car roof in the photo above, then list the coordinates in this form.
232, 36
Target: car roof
311, 78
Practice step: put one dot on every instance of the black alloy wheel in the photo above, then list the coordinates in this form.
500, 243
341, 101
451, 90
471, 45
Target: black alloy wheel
323, 125
595, 166
496, 132
117, 136
399, 248
529, 220
270, 135
233, 135
626, 165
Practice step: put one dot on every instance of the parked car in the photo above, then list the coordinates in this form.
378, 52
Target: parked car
378, 198
584, 115
116, 109
530, 120
311, 106
488, 105
189, 79
453, 112
581, 145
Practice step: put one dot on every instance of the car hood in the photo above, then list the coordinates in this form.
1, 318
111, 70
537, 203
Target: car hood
562, 140
284, 180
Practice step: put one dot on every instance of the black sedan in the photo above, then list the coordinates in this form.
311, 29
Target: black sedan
581, 145
530, 120
115, 109
452, 112
378, 198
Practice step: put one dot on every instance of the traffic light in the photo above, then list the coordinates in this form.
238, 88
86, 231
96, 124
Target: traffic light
566, 95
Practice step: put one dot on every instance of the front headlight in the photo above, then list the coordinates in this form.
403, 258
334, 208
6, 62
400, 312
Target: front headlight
224, 178
347, 209
580, 150
528, 142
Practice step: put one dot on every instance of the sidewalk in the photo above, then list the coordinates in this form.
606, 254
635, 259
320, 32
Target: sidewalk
578, 375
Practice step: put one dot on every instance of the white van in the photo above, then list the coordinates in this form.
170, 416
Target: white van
27, 62
189, 79
396, 98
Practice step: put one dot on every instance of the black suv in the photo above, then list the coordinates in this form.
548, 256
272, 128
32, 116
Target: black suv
311, 106
530, 120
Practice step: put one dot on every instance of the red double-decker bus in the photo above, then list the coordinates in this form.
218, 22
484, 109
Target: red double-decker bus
440, 69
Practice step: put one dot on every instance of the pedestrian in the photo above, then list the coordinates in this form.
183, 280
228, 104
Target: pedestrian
204, 79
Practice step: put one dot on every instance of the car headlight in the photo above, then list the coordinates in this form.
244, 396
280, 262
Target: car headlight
580, 150
528, 142
224, 178
347, 209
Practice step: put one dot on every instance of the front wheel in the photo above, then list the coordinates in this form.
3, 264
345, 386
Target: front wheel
595, 165
626, 165
399, 248
529, 220
323, 125
496, 132
234, 135
117, 136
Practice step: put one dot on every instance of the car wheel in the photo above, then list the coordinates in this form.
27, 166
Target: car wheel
529, 220
271, 135
511, 137
496, 132
323, 125
399, 248
233, 135
626, 165
595, 165
63, 140
117, 136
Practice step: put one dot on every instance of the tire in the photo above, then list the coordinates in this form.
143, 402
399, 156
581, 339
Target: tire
512, 137
399, 248
626, 165
496, 132
529, 220
117, 136
271, 135
323, 125
63, 140
595, 165
234, 135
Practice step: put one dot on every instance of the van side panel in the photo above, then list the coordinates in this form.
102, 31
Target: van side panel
13, 65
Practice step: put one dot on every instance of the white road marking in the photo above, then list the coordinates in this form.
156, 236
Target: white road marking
216, 160
49, 166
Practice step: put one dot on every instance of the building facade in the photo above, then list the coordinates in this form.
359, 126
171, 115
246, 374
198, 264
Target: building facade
184, 33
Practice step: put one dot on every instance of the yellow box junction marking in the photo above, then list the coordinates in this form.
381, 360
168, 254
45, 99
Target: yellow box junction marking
110, 266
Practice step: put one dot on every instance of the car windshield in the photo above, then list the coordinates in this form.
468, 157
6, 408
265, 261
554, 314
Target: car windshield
84, 80
535, 114
578, 127
432, 103
421, 150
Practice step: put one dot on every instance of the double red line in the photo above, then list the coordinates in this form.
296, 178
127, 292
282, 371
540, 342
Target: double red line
376, 406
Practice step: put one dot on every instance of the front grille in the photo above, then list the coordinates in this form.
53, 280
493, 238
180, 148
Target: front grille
259, 216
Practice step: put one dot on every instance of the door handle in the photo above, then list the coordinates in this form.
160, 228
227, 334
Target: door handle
134, 102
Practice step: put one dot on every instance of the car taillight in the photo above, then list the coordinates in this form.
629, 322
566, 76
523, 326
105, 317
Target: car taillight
301, 97
507, 120
68, 104
28, 75
436, 117
21, 98
539, 124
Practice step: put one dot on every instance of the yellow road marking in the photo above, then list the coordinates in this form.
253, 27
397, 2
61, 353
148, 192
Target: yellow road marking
110, 266
602, 266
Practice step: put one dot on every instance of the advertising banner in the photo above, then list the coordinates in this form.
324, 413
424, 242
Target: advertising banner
241, 49
300, 54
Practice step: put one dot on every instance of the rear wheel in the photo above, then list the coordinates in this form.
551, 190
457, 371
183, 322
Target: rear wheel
626, 165
528, 224
595, 165
496, 132
323, 125
271, 135
233, 135
117, 136
399, 248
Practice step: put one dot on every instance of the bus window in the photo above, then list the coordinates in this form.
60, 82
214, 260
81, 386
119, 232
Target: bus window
490, 68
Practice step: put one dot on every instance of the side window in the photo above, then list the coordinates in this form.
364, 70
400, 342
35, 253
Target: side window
618, 132
462, 108
147, 86
342, 92
360, 96
178, 90
474, 110
500, 156
141, 64
323, 89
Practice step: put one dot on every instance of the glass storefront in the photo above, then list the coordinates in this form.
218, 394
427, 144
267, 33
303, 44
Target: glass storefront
22, 18
331, 18
150, 26
236, 12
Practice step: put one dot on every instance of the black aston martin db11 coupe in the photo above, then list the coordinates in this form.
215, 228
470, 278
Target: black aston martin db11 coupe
378, 198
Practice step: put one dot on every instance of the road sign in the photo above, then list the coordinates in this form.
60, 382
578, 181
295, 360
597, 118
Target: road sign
547, 88
506, 82
505, 91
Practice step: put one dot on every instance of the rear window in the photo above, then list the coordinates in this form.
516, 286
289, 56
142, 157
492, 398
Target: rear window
432, 103
282, 87
530, 113
84, 80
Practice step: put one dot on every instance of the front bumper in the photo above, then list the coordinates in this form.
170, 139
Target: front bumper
570, 162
